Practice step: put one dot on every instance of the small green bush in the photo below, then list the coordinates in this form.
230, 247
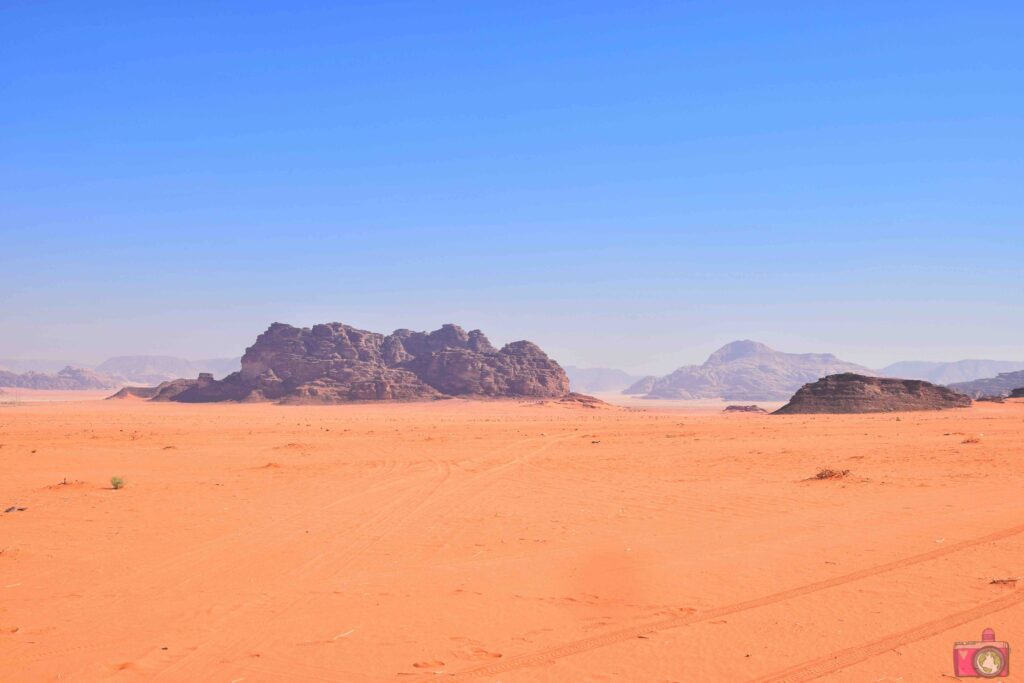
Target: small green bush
117, 482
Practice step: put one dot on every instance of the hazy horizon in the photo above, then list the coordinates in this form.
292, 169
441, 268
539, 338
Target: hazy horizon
646, 369
627, 187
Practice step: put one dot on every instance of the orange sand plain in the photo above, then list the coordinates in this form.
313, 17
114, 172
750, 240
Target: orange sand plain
503, 541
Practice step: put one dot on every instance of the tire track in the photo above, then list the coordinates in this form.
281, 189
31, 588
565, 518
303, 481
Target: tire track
363, 537
455, 496
323, 567
835, 661
613, 637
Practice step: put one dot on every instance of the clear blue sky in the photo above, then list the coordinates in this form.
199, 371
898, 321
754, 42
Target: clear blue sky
627, 184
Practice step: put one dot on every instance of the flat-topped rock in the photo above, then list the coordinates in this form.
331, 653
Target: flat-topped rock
852, 393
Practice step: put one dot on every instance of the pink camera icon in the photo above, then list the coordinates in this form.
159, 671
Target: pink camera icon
985, 658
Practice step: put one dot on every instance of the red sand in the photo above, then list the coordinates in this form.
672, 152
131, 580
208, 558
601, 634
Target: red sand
502, 541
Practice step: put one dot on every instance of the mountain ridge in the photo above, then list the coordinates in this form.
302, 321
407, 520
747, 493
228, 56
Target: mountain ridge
949, 372
746, 370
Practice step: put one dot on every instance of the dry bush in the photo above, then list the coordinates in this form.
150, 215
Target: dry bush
829, 473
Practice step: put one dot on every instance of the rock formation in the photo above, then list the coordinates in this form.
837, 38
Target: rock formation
1017, 393
852, 393
332, 363
67, 379
1000, 385
749, 371
744, 409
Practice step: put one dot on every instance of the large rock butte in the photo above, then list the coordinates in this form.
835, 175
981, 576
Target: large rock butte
335, 363
852, 393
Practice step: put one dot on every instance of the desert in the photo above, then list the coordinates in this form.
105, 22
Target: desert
512, 342
511, 540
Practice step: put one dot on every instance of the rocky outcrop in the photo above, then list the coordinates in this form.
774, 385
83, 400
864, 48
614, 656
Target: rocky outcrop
582, 400
333, 363
852, 393
1017, 393
744, 409
749, 371
1000, 385
67, 379
165, 391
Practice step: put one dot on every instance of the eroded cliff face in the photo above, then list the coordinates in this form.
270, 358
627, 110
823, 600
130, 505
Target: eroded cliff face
333, 363
852, 393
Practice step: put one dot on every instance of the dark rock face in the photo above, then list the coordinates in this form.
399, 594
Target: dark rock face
748, 371
333, 363
67, 379
851, 393
1000, 385
1017, 393
744, 409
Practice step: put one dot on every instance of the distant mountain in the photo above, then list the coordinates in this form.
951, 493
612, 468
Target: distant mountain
157, 369
19, 365
67, 379
749, 371
1000, 385
948, 373
641, 386
597, 380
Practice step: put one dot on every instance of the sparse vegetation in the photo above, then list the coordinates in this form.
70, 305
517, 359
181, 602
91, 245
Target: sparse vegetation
117, 483
829, 473
971, 439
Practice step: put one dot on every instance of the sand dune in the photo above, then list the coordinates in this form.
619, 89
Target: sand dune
502, 541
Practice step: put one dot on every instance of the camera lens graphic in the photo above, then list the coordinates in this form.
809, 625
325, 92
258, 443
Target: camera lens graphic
988, 662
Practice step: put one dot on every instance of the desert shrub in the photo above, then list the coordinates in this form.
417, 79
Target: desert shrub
117, 482
829, 473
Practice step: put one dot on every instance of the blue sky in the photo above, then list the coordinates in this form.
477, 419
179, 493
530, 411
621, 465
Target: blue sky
629, 185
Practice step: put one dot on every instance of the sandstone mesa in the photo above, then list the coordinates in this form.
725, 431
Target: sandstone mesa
336, 363
852, 393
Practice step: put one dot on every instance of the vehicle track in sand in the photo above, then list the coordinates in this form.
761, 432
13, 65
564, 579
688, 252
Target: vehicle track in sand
832, 662
333, 563
603, 640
